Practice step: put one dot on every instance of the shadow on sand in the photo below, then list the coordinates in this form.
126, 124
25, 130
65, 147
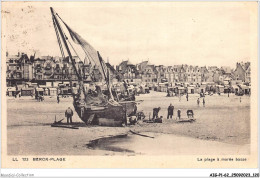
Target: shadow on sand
108, 144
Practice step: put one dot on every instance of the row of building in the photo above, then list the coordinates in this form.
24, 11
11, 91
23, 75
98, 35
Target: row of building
21, 68
47, 75
148, 73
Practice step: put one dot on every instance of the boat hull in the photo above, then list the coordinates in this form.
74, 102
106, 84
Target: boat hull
129, 106
95, 116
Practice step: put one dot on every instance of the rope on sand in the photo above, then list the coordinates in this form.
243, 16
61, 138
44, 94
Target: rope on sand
140, 134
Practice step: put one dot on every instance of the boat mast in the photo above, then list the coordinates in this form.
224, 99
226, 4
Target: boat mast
106, 76
65, 42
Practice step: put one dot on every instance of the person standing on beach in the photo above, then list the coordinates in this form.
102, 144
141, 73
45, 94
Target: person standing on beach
156, 112
187, 97
198, 101
58, 99
170, 111
203, 101
69, 114
179, 113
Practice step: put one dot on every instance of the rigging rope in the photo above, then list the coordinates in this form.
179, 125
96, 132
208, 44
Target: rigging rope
74, 50
58, 38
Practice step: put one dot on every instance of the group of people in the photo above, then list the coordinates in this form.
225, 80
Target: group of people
171, 112
203, 101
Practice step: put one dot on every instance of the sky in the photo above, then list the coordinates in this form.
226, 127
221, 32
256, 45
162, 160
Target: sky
167, 33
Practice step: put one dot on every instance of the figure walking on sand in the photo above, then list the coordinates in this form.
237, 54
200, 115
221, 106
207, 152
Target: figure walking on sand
203, 101
170, 111
198, 101
187, 97
69, 114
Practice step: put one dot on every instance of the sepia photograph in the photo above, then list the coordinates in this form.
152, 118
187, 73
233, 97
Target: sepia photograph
136, 84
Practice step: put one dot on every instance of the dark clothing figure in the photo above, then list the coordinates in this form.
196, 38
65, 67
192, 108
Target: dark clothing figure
190, 113
179, 114
187, 97
133, 97
170, 111
156, 112
135, 109
41, 98
198, 101
168, 93
203, 101
69, 114
58, 99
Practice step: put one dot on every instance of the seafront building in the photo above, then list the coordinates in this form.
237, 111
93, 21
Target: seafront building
47, 75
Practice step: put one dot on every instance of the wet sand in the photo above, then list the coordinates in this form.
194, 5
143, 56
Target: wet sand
165, 144
224, 123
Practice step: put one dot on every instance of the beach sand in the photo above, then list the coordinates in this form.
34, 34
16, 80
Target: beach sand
224, 122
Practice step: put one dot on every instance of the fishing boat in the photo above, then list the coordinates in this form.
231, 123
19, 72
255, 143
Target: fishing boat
98, 109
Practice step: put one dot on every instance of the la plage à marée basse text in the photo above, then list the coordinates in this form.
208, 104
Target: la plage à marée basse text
220, 159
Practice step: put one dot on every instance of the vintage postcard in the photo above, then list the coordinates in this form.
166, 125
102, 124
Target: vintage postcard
129, 85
